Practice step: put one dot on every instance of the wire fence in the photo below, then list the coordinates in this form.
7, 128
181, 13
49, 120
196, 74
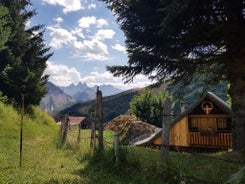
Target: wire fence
83, 144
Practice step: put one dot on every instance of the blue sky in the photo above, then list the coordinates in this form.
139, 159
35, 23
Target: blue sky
84, 37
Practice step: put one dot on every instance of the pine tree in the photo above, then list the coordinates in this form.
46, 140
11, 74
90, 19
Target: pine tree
4, 28
24, 59
181, 39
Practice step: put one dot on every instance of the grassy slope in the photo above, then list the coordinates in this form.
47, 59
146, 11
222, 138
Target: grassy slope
44, 163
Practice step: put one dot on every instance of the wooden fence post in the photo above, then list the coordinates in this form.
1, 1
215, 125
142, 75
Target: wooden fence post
21, 128
165, 130
79, 133
99, 118
93, 133
116, 146
64, 129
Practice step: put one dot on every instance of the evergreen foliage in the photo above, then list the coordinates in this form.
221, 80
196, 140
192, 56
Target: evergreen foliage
186, 39
179, 39
4, 28
23, 61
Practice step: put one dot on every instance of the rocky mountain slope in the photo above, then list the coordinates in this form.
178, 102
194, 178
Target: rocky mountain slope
83, 92
59, 98
55, 100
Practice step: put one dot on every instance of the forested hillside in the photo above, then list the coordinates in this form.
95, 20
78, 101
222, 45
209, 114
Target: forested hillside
113, 106
116, 105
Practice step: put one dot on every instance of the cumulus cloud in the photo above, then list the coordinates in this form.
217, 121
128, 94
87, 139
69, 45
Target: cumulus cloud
58, 20
78, 32
82, 42
98, 78
90, 46
103, 34
60, 37
119, 48
101, 22
91, 6
88, 21
92, 49
62, 75
68, 5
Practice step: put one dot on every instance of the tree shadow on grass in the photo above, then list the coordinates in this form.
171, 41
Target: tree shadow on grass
103, 169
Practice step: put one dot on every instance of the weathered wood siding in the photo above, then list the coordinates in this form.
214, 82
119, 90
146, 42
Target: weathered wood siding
220, 140
179, 133
158, 140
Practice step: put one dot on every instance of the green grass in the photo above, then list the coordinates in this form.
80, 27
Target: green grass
143, 165
46, 162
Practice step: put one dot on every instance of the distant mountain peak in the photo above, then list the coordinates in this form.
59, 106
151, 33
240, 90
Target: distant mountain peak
56, 99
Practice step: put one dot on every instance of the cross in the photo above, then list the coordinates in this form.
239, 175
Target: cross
207, 109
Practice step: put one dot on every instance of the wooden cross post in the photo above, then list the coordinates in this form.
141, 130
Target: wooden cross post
99, 118
165, 130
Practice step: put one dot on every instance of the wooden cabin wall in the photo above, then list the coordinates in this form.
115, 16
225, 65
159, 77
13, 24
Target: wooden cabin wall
179, 133
158, 140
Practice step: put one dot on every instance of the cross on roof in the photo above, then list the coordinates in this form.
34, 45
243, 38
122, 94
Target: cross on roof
207, 107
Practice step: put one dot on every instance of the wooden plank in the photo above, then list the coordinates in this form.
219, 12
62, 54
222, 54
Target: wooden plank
220, 140
210, 116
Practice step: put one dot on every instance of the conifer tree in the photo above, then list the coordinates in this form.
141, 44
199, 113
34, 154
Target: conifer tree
23, 61
4, 28
181, 39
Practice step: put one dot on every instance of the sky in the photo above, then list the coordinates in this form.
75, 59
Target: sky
84, 38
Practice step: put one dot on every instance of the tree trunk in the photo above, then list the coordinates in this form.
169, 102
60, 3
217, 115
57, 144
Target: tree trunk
237, 93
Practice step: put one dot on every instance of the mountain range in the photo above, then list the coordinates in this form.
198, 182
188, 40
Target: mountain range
112, 106
81, 103
119, 104
59, 98
83, 92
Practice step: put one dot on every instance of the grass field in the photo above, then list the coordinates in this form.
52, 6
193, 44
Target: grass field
46, 162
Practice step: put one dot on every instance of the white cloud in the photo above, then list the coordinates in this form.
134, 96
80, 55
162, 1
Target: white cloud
101, 22
60, 37
86, 22
68, 5
62, 75
58, 19
98, 78
104, 34
119, 48
89, 49
91, 6
91, 46
78, 32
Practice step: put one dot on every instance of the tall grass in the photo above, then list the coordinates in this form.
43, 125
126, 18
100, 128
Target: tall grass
44, 162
